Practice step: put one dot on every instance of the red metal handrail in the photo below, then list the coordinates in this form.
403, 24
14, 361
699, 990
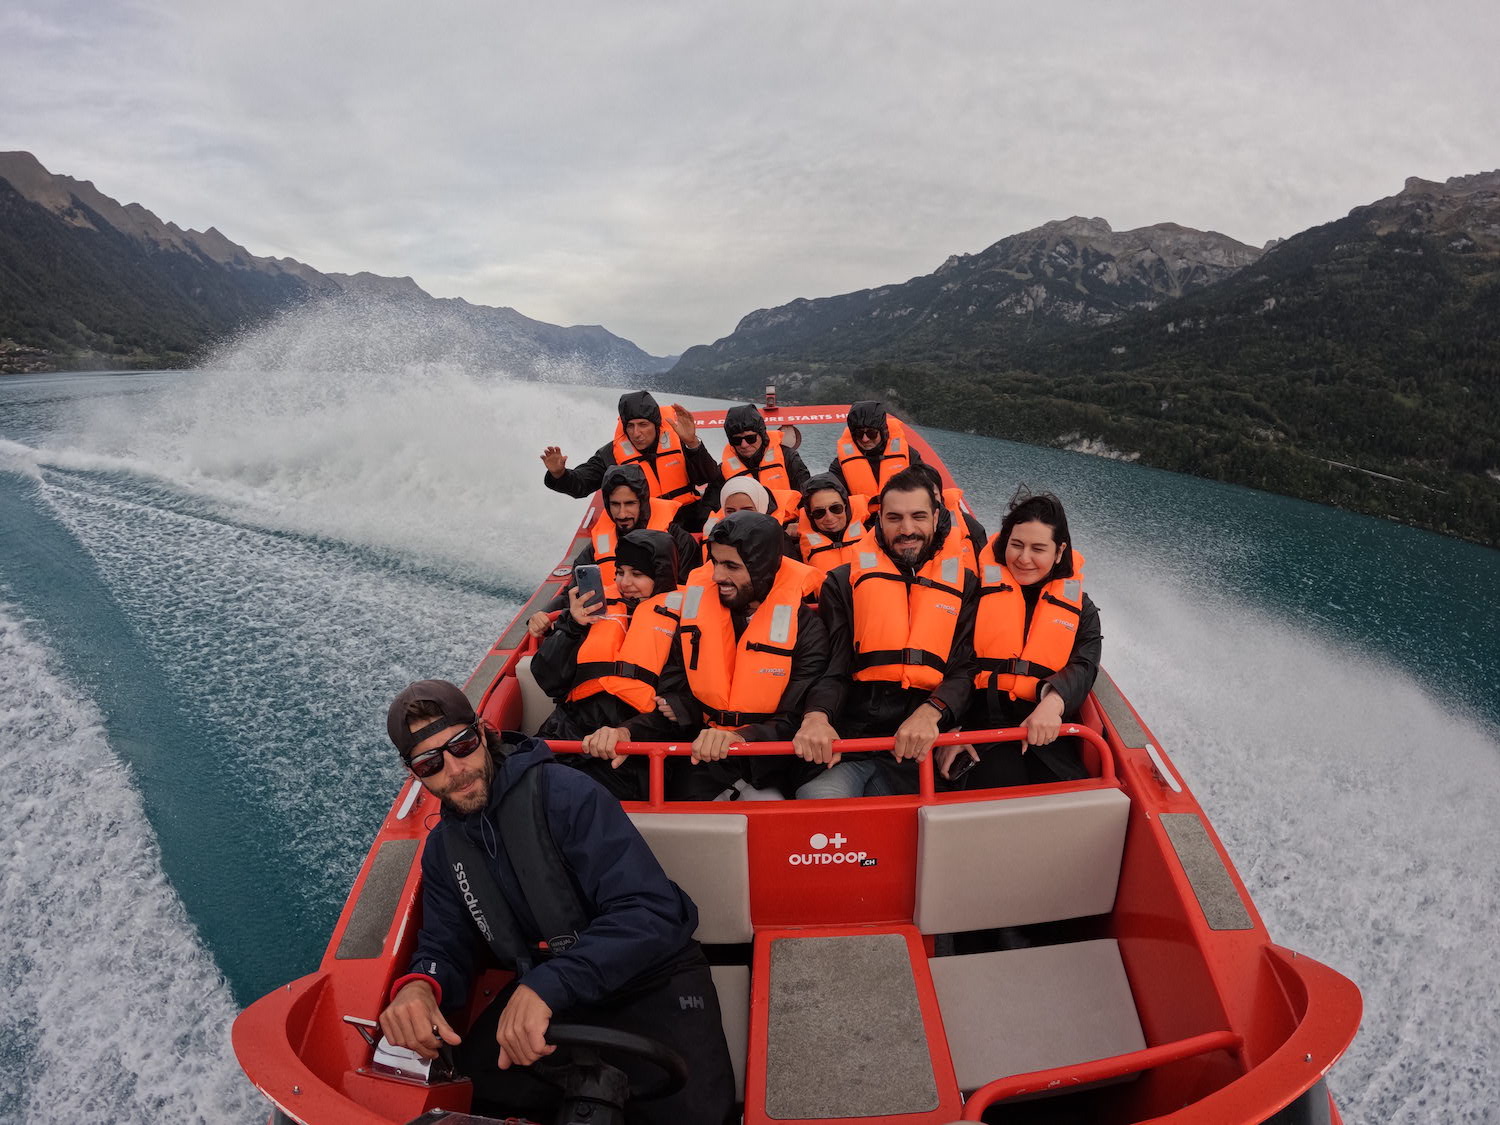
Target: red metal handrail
659, 752
1041, 1081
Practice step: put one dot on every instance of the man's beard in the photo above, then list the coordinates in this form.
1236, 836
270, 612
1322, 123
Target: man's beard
742, 598
909, 553
479, 796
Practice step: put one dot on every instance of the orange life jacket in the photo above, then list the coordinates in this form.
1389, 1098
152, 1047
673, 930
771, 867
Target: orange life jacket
738, 682
625, 655
603, 534
953, 500
824, 552
771, 471
856, 467
667, 473
1011, 658
904, 626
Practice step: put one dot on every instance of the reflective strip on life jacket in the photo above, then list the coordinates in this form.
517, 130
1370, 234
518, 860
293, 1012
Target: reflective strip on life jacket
771, 471
666, 472
904, 624
1008, 656
856, 466
738, 682
603, 533
625, 656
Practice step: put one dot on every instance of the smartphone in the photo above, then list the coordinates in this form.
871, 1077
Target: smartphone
961, 767
590, 585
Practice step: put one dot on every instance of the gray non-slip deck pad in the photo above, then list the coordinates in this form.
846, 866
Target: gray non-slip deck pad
845, 1035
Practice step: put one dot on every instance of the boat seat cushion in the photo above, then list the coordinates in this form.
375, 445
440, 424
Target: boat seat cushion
1021, 1010
708, 856
732, 983
1015, 861
536, 704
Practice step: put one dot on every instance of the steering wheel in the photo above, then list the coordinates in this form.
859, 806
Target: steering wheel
672, 1067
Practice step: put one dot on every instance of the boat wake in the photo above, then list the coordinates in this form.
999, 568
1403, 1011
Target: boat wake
103, 972
1360, 811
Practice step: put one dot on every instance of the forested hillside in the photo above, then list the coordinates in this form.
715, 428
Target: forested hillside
1356, 364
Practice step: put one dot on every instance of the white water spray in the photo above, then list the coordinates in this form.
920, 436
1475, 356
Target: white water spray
103, 974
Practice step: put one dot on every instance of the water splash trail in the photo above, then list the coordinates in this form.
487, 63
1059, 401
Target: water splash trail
102, 971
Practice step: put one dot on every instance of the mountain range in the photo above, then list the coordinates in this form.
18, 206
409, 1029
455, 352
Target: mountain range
1356, 363
88, 282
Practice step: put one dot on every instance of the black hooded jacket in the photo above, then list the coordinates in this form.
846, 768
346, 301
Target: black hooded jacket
870, 415
869, 709
757, 538
587, 478
631, 476
742, 418
555, 664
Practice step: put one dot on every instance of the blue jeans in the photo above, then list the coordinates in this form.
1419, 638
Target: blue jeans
863, 777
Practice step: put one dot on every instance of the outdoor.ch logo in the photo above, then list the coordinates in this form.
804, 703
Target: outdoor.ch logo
820, 842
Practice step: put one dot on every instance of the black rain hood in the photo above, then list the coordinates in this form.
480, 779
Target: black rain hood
639, 404
869, 415
759, 540
650, 552
742, 418
819, 483
632, 477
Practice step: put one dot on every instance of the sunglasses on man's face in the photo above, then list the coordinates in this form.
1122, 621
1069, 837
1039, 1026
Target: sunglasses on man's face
745, 439
866, 434
831, 510
461, 745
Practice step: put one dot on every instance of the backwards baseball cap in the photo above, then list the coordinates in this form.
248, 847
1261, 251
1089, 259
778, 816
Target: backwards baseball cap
454, 705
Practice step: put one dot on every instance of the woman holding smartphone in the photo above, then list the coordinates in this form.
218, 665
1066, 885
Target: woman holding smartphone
605, 661
1036, 645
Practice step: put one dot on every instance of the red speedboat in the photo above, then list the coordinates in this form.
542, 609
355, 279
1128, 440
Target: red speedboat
1132, 981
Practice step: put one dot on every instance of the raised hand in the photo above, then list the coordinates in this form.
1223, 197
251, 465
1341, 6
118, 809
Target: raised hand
555, 460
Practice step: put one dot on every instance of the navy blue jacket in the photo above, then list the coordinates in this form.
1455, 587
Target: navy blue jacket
641, 922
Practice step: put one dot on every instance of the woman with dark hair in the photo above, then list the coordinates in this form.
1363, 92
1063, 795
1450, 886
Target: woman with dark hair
1036, 648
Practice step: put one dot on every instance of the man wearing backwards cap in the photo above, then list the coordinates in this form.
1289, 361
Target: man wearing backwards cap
543, 864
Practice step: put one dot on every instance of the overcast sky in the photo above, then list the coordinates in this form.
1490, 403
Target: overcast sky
664, 168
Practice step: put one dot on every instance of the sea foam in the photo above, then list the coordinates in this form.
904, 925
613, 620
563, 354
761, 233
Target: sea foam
103, 973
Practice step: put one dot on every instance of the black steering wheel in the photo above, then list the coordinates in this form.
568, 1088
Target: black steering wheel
673, 1068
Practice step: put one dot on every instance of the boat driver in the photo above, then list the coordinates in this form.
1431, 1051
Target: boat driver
595, 930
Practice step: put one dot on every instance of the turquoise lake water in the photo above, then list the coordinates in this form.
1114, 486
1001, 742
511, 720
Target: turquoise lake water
211, 583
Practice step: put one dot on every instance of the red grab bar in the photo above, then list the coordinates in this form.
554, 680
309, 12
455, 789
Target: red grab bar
660, 751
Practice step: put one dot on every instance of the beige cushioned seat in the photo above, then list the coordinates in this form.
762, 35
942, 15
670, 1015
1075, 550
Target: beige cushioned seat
1015, 861
1021, 1010
536, 704
732, 983
708, 856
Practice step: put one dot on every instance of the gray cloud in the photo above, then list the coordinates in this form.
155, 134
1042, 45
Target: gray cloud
664, 168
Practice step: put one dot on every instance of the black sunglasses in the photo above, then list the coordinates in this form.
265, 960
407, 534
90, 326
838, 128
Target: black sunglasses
865, 432
832, 509
745, 439
461, 745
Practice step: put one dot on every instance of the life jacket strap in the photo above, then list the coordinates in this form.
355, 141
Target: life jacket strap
776, 650
914, 580
597, 669
1069, 606
1013, 667
736, 718
905, 657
